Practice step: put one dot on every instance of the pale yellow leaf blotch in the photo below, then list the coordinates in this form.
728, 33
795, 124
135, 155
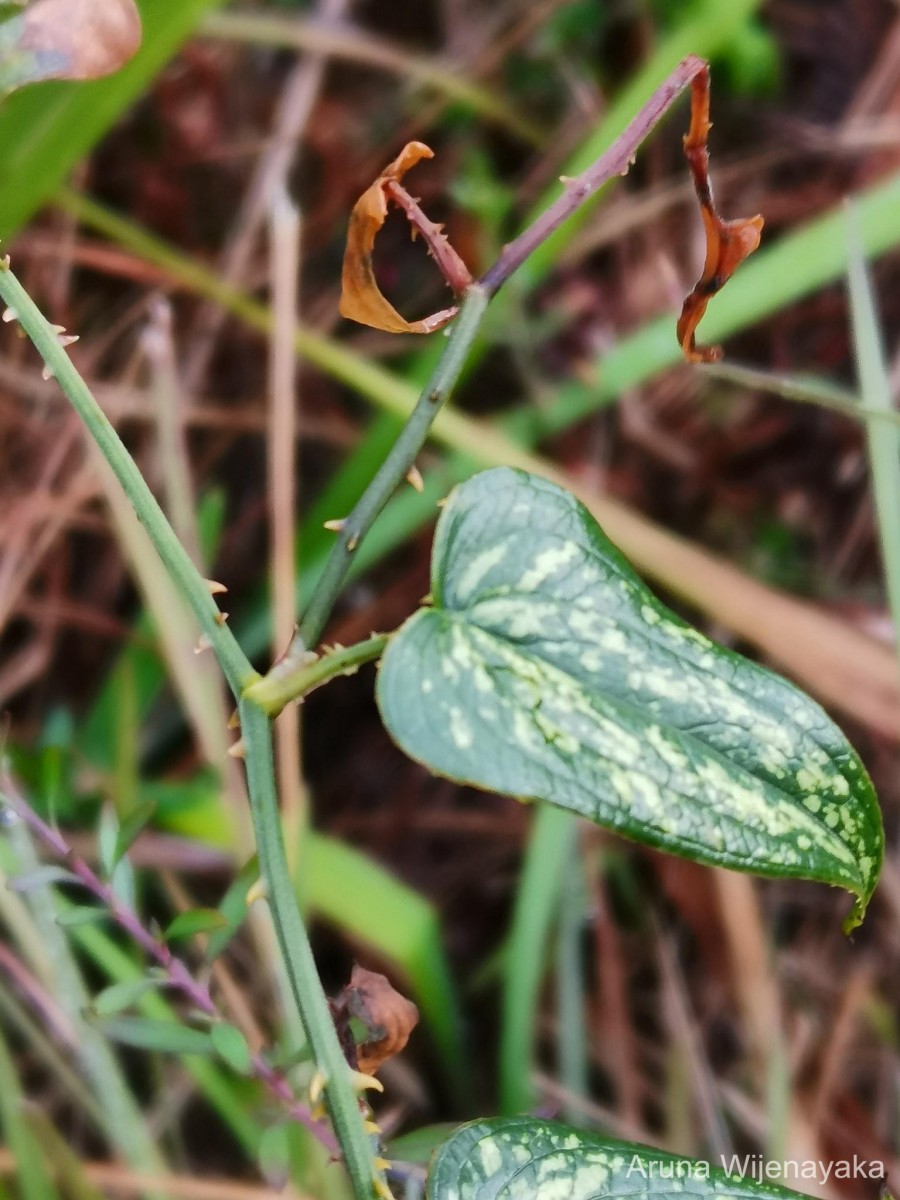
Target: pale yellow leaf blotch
361, 299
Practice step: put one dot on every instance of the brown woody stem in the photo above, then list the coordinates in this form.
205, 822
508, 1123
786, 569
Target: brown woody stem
451, 266
614, 161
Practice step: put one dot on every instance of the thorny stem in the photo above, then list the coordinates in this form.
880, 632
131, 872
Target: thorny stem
300, 965
390, 475
614, 161
279, 687
177, 973
452, 267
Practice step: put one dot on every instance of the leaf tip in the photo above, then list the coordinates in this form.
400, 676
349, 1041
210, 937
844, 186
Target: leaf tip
857, 913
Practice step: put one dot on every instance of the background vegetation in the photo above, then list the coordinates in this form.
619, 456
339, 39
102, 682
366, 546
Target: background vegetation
164, 215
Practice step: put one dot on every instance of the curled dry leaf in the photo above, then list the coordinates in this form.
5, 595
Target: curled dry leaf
361, 299
728, 243
80, 39
388, 1017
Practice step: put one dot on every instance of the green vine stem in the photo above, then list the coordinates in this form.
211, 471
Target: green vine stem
279, 687
392, 471
300, 965
366, 1176
195, 589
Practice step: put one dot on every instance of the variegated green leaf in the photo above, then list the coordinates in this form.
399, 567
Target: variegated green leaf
520, 1158
547, 670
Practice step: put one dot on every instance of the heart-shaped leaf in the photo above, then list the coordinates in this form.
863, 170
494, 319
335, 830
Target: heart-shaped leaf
547, 670
522, 1158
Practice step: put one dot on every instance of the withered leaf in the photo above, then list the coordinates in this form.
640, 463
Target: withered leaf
361, 299
728, 243
388, 1017
80, 39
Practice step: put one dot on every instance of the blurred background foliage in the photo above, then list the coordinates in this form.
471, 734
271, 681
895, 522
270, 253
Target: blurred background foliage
555, 969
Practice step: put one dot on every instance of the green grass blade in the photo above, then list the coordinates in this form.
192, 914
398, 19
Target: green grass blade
124, 1124
31, 1174
571, 1036
68, 1166
550, 849
884, 440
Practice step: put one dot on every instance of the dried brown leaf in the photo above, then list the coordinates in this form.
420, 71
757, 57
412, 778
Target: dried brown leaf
84, 39
361, 299
387, 1015
728, 243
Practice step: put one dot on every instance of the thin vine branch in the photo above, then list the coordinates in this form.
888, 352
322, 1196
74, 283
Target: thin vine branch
287, 681
389, 477
727, 243
295, 672
614, 161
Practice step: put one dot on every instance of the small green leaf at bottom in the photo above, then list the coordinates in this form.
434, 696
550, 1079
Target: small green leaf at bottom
231, 1046
193, 921
119, 996
83, 914
130, 830
166, 1037
521, 1158
547, 670
275, 1156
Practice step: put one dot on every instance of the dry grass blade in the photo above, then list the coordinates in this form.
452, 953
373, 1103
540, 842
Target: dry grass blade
285, 239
